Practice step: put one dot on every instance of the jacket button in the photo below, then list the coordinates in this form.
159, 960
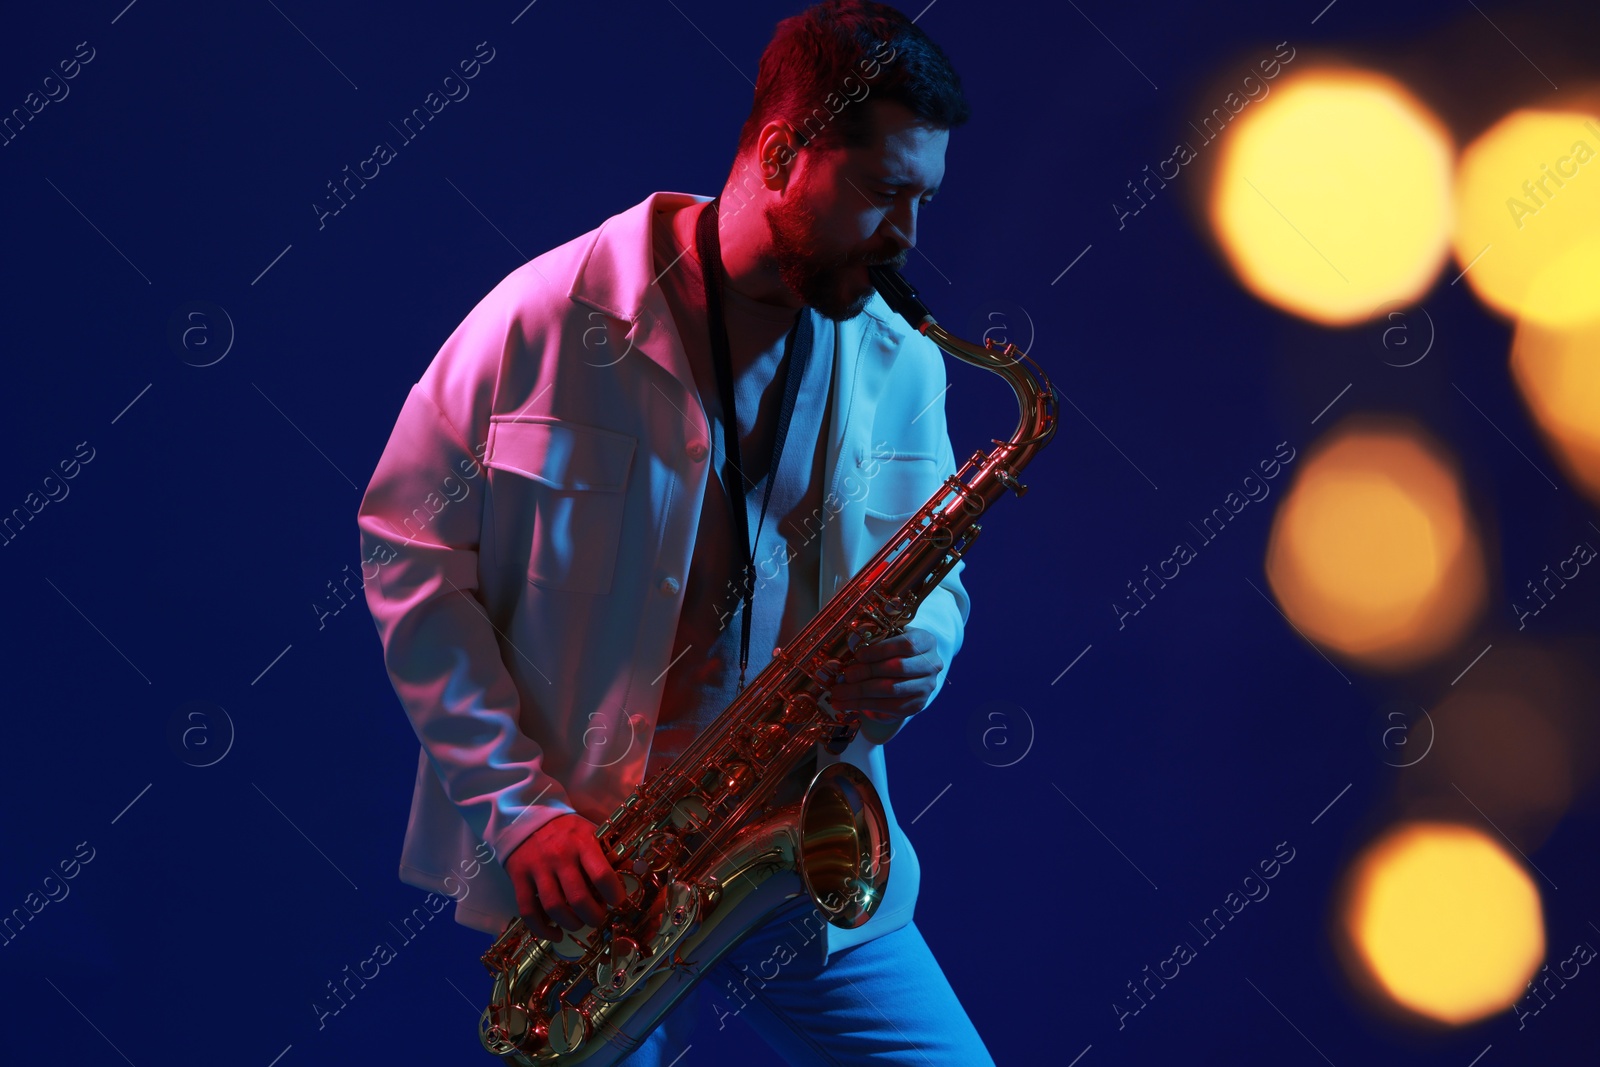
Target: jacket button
697, 451
670, 585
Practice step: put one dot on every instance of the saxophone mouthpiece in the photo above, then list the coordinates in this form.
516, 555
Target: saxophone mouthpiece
899, 295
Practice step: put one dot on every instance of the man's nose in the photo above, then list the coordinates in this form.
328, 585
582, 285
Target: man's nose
899, 225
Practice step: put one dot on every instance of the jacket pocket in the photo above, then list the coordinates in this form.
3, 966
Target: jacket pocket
899, 485
564, 507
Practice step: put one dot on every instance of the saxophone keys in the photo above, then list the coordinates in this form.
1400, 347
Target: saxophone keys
572, 944
660, 850
1010, 481
690, 813
682, 904
762, 741
800, 708
514, 1023
827, 672
770, 743
500, 1031
616, 964
623, 951
568, 1030
737, 777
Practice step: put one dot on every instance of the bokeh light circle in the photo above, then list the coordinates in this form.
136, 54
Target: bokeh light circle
1528, 196
1333, 196
1372, 552
1558, 374
1444, 921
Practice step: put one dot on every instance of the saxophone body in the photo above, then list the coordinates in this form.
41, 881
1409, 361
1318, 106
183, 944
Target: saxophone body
704, 848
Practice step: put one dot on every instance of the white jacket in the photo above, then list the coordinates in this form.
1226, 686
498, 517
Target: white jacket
527, 607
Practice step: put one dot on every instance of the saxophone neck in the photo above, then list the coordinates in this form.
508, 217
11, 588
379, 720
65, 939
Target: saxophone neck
1036, 397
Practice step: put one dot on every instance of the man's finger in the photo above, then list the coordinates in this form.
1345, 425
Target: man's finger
924, 666
851, 694
884, 668
579, 897
554, 903
898, 645
534, 918
889, 715
601, 875
913, 641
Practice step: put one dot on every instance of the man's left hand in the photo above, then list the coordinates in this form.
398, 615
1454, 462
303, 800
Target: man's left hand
890, 680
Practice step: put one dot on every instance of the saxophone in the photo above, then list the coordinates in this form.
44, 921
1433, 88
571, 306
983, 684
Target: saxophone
702, 850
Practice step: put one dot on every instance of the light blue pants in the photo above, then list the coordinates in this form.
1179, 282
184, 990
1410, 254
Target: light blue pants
883, 1002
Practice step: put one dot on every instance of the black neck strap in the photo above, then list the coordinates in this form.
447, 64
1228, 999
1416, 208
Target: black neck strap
797, 353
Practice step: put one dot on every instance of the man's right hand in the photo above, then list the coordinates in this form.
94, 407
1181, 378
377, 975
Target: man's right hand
558, 872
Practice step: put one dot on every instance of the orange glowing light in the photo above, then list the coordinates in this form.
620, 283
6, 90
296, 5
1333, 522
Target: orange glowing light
1372, 551
1333, 197
1528, 193
1558, 374
1444, 922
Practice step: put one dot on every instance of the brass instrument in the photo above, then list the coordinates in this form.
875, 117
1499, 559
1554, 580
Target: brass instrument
702, 849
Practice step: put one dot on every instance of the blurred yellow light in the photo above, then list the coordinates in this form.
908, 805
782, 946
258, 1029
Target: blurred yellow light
1528, 193
1558, 372
1332, 196
1372, 552
1445, 922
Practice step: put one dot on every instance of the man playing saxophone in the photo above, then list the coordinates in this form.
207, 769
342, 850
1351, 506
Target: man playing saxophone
698, 421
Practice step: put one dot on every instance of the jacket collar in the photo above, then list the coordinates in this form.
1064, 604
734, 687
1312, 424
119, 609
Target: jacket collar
617, 270
616, 275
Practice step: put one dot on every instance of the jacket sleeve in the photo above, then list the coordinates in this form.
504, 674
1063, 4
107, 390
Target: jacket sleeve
421, 530
945, 610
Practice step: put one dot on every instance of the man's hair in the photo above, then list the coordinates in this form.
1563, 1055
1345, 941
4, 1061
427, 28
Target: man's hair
823, 64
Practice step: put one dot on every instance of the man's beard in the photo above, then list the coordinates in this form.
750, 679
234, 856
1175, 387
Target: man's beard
834, 285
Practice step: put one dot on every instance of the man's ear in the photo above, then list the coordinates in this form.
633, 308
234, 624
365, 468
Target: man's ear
776, 152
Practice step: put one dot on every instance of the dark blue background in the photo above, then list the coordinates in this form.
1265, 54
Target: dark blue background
192, 547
